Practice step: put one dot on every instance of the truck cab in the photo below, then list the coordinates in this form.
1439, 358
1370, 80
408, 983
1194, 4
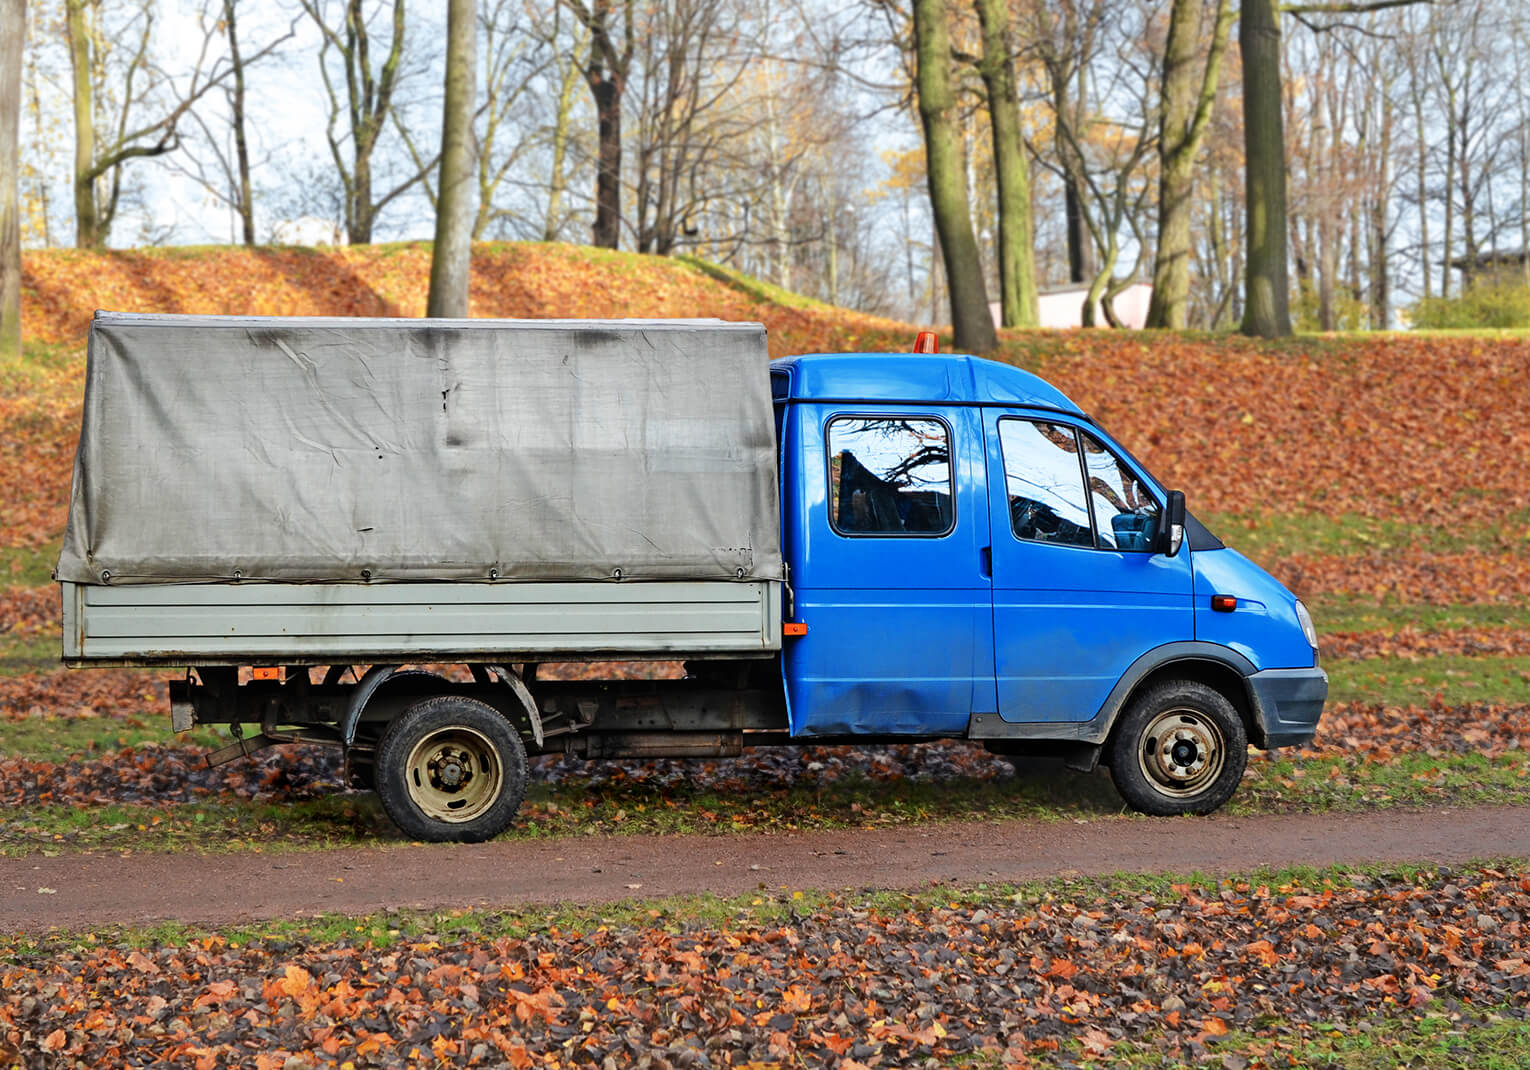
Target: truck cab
970, 555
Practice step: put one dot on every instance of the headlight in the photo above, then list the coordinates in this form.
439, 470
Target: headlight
1306, 622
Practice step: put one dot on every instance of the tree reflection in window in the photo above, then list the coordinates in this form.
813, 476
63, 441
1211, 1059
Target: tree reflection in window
1044, 483
1125, 513
890, 476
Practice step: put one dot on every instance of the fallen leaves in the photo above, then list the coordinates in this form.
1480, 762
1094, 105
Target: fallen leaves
848, 982
1411, 643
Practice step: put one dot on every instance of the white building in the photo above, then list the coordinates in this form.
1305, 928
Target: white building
307, 230
1063, 306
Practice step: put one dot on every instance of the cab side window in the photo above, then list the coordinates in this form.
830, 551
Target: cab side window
1124, 512
890, 475
1045, 483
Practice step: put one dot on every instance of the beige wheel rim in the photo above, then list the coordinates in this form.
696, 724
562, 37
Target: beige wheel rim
1182, 753
454, 774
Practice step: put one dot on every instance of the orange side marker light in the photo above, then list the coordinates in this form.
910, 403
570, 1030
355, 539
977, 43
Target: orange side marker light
266, 672
794, 627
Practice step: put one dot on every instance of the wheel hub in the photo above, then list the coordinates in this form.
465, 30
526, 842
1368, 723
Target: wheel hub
453, 774
1181, 752
449, 771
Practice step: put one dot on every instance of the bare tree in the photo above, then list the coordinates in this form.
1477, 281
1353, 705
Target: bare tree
1267, 306
13, 26
517, 57
451, 255
137, 85
557, 182
1185, 115
243, 201
1111, 164
368, 103
1065, 38
612, 43
693, 121
224, 170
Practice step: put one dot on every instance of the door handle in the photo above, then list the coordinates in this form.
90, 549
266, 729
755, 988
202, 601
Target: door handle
985, 562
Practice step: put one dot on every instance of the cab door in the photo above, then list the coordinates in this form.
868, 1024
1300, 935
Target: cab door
1078, 591
888, 551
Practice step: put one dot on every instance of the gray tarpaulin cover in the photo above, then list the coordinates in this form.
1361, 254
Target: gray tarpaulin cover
319, 449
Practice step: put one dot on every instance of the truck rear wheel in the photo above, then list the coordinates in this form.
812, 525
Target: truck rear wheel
1180, 748
451, 769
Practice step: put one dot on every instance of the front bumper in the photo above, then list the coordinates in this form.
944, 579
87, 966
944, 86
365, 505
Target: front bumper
1287, 705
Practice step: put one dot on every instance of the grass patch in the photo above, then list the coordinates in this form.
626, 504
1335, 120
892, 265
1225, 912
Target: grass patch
334, 821
20, 655
1404, 681
1047, 791
59, 739
1348, 614
1346, 784
1265, 535
1437, 1037
759, 909
758, 289
618, 809
28, 566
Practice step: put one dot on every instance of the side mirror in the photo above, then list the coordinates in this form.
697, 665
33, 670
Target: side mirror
1172, 532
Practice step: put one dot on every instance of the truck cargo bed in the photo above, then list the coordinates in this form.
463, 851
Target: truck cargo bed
330, 623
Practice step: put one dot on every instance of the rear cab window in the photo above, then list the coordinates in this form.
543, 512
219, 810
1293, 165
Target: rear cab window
890, 475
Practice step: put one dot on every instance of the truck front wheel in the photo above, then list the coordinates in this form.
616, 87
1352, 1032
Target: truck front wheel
451, 769
1180, 748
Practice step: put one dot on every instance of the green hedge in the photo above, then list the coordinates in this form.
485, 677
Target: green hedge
1500, 305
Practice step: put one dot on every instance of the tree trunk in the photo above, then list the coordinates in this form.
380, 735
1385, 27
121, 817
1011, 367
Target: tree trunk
245, 203
358, 209
451, 255
1448, 237
13, 28
608, 166
1182, 124
1017, 257
88, 233
560, 145
970, 319
1327, 270
1421, 177
1078, 233
1267, 305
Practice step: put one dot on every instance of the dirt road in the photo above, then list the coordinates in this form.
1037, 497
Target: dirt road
82, 891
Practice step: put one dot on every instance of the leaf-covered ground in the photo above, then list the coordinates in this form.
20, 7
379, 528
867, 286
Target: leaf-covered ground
1255, 972
93, 781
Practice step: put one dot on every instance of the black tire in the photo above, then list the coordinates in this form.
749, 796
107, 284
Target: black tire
451, 769
1193, 769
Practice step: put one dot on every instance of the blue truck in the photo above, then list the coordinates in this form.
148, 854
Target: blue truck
845, 548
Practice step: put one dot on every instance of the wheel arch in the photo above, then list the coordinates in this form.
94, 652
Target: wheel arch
508, 690
1220, 668
1217, 675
